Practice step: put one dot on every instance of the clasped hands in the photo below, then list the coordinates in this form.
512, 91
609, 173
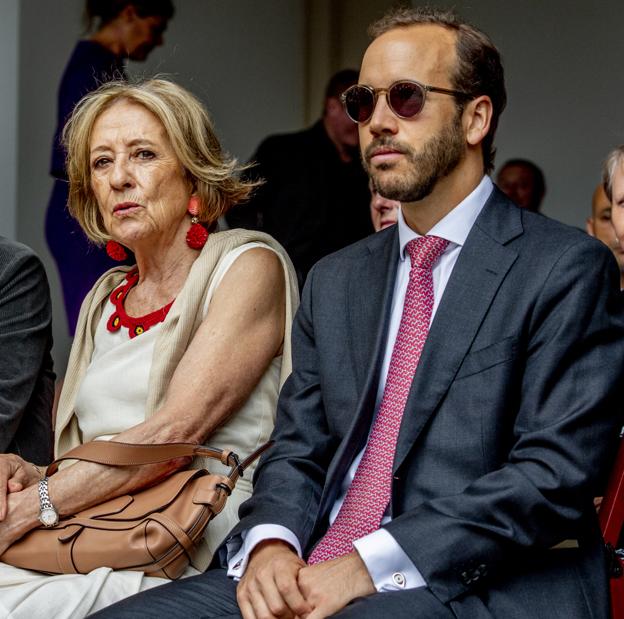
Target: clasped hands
279, 585
16, 475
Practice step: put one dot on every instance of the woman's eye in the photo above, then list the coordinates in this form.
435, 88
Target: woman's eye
145, 154
101, 162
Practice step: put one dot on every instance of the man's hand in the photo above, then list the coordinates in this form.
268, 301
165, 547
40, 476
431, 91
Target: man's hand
268, 589
331, 585
15, 475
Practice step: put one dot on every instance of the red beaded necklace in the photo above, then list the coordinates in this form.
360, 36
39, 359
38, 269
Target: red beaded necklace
119, 318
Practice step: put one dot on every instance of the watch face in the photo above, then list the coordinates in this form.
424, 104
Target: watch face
48, 517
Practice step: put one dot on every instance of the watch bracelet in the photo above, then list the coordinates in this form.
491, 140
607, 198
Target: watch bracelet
44, 496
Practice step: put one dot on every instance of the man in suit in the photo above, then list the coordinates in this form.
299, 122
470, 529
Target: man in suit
436, 446
26, 376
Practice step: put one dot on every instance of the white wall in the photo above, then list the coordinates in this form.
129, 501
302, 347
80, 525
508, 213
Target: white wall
244, 59
47, 34
8, 116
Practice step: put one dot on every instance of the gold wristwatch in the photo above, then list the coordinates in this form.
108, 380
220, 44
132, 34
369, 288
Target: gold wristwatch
48, 516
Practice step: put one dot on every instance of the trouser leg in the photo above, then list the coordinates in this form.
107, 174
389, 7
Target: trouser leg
411, 604
207, 596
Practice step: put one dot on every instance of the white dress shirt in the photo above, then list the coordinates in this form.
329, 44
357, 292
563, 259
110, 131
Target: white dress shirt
388, 565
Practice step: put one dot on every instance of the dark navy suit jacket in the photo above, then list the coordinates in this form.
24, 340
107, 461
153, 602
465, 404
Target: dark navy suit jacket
26, 377
509, 428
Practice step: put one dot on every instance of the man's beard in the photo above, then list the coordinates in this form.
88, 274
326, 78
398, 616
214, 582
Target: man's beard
438, 158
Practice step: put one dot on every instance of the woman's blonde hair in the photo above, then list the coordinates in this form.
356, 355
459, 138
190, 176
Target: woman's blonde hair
212, 174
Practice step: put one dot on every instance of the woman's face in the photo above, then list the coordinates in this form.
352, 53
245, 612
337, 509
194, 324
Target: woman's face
137, 180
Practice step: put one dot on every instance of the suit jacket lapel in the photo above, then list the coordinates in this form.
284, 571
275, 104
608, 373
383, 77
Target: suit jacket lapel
480, 269
369, 302
370, 299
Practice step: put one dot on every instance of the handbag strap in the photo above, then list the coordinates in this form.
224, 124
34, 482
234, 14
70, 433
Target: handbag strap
114, 453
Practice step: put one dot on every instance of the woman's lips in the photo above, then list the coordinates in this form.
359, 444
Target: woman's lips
125, 208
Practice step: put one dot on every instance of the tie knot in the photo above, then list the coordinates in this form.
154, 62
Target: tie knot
425, 250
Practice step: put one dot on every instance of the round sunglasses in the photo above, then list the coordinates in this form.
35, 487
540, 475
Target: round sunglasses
405, 98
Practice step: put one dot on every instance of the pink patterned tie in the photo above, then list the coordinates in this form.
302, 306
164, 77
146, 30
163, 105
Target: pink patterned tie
368, 496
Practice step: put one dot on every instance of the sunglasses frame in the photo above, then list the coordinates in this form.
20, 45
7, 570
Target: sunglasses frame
375, 92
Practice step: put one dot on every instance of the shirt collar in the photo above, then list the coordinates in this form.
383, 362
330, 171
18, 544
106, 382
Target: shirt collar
455, 226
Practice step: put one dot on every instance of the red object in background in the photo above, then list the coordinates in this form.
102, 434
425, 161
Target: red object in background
611, 518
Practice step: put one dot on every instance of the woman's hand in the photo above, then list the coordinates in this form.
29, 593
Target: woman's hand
15, 475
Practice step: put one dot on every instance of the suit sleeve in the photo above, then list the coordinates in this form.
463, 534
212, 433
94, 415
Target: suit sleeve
25, 318
289, 478
564, 432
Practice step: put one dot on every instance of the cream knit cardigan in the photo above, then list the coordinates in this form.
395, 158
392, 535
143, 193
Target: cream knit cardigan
178, 330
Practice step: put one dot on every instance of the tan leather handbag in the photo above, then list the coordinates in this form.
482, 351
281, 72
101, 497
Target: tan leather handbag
155, 530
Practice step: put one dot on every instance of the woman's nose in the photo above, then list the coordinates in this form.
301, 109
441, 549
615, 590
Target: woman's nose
121, 176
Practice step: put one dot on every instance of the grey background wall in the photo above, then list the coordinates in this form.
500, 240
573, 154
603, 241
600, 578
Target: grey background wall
564, 90
8, 107
260, 66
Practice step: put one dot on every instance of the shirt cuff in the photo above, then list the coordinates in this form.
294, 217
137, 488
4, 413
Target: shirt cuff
240, 547
389, 567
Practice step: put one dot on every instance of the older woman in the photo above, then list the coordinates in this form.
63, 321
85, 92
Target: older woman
189, 345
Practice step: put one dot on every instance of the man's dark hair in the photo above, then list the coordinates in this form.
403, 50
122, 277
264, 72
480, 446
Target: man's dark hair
339, 82
479, 69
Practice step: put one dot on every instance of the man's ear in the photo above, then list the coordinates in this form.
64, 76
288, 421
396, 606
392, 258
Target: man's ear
477, 118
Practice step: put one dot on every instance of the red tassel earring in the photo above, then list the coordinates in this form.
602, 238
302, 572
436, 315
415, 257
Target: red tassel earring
116, 251
197, 235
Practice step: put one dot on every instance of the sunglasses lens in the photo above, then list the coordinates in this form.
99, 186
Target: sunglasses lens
359, 103
406, 99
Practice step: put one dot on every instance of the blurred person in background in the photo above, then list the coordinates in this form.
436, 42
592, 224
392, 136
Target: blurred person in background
315, 195
600, 226
121, 30
384, 212
523, 183
613, 184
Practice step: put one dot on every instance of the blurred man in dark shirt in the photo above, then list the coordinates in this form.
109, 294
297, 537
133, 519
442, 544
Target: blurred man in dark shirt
315, 199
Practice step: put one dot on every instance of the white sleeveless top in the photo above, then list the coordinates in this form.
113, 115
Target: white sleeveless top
112, 398
113, 393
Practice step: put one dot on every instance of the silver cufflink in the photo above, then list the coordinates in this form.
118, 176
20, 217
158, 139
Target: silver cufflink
398, 579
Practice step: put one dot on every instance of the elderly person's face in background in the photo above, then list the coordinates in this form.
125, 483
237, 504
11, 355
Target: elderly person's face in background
600, 226
384, 212
617, 203
136, 178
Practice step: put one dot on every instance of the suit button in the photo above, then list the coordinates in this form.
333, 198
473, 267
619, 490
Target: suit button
398, 579
467, 577
473, 575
